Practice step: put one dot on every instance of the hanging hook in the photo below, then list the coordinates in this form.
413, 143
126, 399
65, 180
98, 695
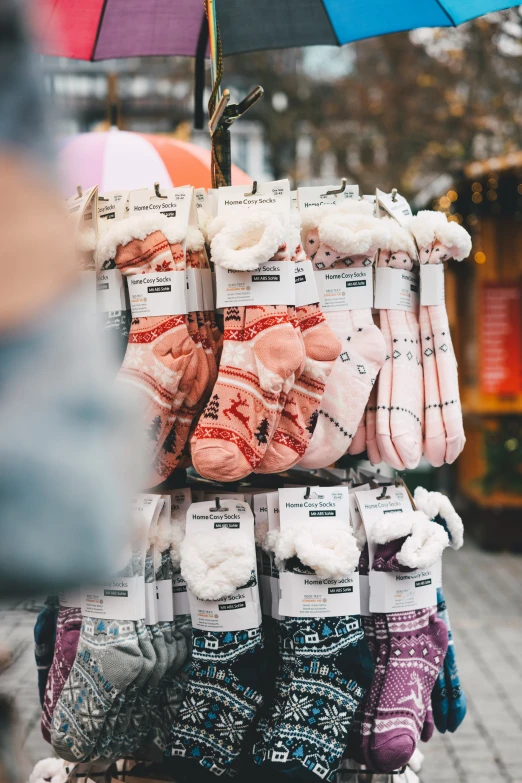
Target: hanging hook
218, 506
394, 194
218, 113
340, 190
79, 191
157, 191
254, 189
383, 495
307, 493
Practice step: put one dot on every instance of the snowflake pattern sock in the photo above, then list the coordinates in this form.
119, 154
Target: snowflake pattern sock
439, 240
160, 360
332, 671
68, 626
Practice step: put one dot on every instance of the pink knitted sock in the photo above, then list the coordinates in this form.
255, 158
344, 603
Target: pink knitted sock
447, 370
348, 386
300, 412
439, 239
434, 431
358, 444
371, 422
258, 361
383, 439
407, 397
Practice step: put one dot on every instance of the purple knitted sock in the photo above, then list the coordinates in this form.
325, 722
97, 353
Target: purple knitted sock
68, 628
415, 646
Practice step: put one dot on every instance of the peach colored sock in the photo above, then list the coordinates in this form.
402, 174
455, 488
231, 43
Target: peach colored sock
261, 353
383, 439
434, 431
349, 383
160, 360
299, 414
371, 422
447, 371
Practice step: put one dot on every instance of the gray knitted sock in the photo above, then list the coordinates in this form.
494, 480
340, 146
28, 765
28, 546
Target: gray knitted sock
108, 660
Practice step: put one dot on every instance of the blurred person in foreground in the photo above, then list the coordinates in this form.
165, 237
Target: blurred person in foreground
66, 463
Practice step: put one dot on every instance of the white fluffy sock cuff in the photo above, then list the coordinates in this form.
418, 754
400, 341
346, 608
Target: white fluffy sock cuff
425, 545
136, 227
353, 234
390, 527
435, 503
428, 227
331, 552
216, 566
247, 240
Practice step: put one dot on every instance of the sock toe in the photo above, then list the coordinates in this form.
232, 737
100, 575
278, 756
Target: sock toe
393, 754
388, 452
435, 450
409, 449
454, 447
219, 460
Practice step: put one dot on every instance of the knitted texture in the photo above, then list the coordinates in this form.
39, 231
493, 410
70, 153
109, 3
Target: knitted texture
44, 642
223, 696
68, 627
448, 699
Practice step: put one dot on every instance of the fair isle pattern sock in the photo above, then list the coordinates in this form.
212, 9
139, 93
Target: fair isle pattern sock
417, 644
299, 414
160, 356
435, 433
260, 356
332, 671
222, 698
383, 439
447, 371
349, 384
448, 699
407, 395
68, 626
107, 662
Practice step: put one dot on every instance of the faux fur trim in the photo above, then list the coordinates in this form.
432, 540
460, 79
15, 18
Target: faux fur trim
270, 541
49, 770
136, 227
260, 533
390, 527
353, 234
216, 566
399, 239
425, 545
86, 240
428, 227
163, 535
311, 218
248, 241
195, 239
360, 537
331, 552
436, 504
177, 534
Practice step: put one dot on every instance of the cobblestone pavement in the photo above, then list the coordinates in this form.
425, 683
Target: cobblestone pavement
484, 597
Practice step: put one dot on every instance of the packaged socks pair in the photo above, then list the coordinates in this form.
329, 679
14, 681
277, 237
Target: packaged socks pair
324, 669
274, 365
439, 240
170, 360
108, 705
448, 698
408, 649
340, 238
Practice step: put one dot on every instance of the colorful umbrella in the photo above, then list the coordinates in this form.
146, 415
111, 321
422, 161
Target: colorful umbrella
123, 160
103, 29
